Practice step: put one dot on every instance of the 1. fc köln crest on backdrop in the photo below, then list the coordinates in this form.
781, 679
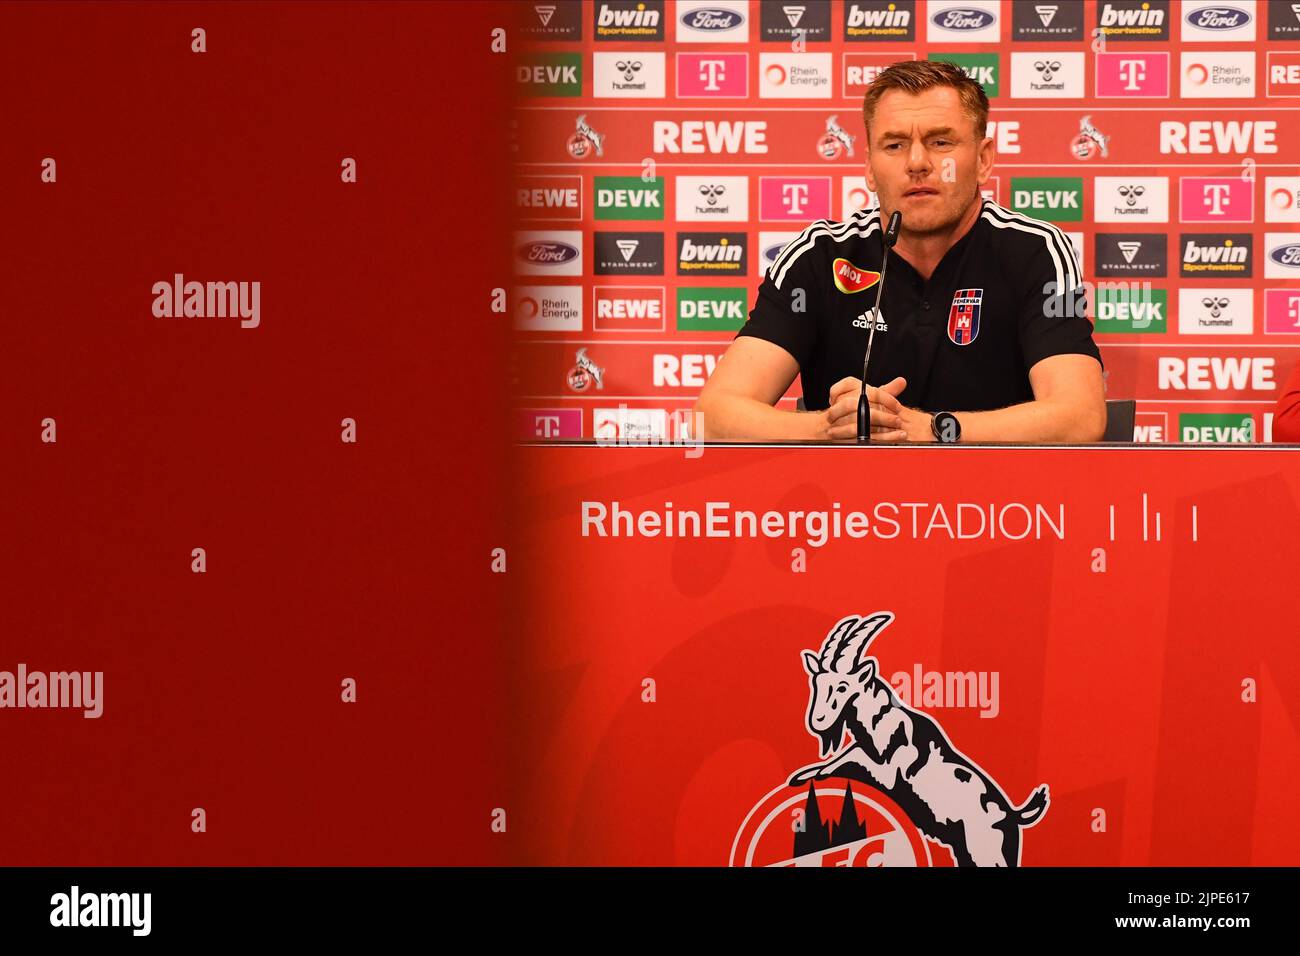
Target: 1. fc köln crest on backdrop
893, 782
964, 316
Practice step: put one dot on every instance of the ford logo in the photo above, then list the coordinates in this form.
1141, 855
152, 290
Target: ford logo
772, 251
547, 253
963, 18
1288, 255
712, 19
1218, 18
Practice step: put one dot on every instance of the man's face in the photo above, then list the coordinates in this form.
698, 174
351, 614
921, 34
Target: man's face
924, 159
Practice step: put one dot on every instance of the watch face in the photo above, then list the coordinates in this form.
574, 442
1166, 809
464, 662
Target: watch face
946, 427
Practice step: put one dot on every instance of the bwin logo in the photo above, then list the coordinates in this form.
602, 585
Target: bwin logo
904, 759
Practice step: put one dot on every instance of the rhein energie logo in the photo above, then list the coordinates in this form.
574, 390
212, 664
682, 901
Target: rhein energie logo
893, 775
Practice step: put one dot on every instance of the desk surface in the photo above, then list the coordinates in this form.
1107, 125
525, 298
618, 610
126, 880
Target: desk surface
1095, 446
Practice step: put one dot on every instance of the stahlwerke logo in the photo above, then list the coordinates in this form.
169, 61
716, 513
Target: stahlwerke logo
911, 781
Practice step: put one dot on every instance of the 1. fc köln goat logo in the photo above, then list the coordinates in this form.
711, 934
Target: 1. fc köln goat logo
893, 781
964, 316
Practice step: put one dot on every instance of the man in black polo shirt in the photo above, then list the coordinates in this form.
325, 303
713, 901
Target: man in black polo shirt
982, 316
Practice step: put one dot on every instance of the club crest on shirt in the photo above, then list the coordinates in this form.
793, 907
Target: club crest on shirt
964, 316
849, 278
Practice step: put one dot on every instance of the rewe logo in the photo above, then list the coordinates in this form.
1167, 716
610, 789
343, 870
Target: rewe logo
628, 309
1221, 373
684, 371
1208, 137
1283, 71
549, 197
710, 136
861, 69
910, 778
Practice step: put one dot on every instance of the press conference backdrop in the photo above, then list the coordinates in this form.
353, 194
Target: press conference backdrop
666, 150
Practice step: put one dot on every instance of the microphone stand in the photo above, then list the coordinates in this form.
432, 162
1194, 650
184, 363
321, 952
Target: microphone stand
864, 408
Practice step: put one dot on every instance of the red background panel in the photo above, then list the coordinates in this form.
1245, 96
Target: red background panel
325, 560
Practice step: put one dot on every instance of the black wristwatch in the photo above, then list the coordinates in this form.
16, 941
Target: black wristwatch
946, 428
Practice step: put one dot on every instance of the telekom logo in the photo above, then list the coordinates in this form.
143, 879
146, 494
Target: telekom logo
713, 72
1215, 199
793, 196
794, 199
1132, 73
1293, 310
1214, 195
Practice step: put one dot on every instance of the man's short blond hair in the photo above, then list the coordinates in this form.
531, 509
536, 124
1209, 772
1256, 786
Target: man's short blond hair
917, 76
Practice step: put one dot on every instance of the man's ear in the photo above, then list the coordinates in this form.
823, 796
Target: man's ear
986, 157
871, 180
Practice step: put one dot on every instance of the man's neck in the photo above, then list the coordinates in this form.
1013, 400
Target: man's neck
924, 252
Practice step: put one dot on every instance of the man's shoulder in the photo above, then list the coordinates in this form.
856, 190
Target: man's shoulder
1021, 241
823, 241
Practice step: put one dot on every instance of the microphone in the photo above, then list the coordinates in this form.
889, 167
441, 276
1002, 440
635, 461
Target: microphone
864, 408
